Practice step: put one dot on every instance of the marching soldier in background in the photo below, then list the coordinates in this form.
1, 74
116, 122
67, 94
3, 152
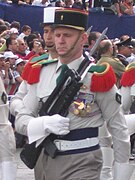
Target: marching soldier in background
79, 155
124, 50
106, 52
7, 139
127, 91
128, 99
50, 56
128, 88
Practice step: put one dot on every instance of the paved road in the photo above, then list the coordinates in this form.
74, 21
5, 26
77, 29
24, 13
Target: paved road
24, 173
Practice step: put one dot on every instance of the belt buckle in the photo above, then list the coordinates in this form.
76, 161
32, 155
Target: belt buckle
58, 144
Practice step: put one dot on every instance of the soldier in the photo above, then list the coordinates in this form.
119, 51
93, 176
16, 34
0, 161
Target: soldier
128, 99
50, 56
79, 155
124, 50
106, 51
127, 92
7, 139
128, 88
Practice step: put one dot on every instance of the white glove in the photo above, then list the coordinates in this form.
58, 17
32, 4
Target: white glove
56, 124
41, 127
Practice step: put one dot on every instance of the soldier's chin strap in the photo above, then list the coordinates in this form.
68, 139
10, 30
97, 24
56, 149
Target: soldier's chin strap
73, 46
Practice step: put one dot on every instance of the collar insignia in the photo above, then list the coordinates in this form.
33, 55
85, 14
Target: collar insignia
4, 97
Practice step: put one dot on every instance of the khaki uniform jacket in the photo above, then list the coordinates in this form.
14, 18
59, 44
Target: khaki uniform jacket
117, 66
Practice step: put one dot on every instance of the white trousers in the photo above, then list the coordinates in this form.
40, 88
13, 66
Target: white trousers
105, 143
8, 170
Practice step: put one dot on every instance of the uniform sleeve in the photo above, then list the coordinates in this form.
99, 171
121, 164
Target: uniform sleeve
17, 99
28, 107
126, 99
116, 123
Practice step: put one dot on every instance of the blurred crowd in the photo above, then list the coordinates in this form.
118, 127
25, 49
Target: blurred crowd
118, 7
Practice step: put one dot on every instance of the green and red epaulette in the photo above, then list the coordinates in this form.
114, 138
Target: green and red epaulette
33, 60
34, 74
128, 77
103, 78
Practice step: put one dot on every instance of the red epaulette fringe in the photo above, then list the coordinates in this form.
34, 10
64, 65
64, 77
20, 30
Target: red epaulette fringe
34, 74
27, 69
128, 78
102, 82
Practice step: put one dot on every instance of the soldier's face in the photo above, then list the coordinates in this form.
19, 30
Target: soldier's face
68, 41
48, 36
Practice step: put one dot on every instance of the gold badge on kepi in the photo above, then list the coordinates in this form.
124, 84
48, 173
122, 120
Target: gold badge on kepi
62, 17
4, 97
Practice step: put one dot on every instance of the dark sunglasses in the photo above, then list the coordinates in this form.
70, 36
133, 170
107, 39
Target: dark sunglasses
22, 44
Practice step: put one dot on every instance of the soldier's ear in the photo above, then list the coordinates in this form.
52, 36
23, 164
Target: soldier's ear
84, 38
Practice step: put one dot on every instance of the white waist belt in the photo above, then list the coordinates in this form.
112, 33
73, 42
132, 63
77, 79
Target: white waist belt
64, 145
